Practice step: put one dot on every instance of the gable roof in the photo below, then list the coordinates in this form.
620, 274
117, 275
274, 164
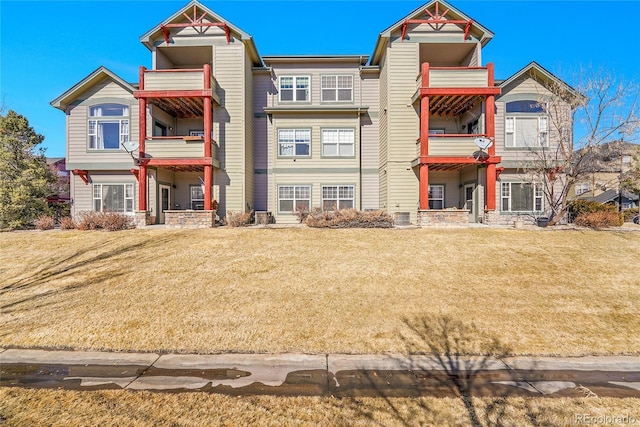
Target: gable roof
611, 195
145, 39
487, 35
63, 101
542, 74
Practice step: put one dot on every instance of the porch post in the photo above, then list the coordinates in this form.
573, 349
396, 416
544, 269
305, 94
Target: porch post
208, 169
491, 187
142, 137
424, 187
208, 183
424, 141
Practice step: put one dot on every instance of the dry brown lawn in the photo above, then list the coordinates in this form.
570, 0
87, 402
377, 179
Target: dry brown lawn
543, 292
25, 407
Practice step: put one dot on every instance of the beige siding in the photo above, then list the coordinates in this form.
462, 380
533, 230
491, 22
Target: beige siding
82, 194
452, 146
161, 61
315, 71
458, 78
249, 135
229, 65
316, 181
451, 181
384, 131
77, 142
403, 125
473, 59
315, 124
175, 148
167, 80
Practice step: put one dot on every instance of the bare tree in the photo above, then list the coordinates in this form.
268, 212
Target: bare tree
602, 109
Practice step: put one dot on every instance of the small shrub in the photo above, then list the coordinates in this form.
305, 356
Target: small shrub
349, 218
115, 221
302, 214
66, 223
579, 207
111, 221
599, 219
239, 219
629, 214
45, 222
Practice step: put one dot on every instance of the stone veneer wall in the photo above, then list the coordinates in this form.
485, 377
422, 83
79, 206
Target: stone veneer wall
444, 218
142, 219
189, 219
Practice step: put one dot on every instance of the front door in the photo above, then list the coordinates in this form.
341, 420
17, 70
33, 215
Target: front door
165, 201
469, 202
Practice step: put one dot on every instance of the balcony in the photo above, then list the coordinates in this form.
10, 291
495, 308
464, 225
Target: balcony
177, 147
179, 92
451, 145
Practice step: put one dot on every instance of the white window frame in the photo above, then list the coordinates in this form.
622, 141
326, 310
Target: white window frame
295, 196
506, 193
345, 137
193, 200
341, 193
295, 89
96, 118
433, 198
510, 126
128, 196
294, 138
582, 188
334, 84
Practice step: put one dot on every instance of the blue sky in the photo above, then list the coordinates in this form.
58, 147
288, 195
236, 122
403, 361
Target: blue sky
48, 46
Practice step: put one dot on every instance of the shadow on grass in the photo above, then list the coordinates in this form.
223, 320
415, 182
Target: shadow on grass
452, 359
74, 264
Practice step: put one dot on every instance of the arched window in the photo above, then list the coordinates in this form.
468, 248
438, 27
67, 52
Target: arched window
108, 126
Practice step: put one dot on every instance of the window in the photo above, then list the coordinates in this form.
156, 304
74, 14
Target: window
530, 131
108, 126
294, 142
521, 197
338, 142
113, 198
292, 198
337, 88
436, 197
335, 197
196, 197
294, 89
581, 188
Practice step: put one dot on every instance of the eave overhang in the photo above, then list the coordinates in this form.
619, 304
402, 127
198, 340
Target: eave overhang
63, 101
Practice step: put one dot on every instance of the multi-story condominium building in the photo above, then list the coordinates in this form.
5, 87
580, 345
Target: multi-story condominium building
421, 128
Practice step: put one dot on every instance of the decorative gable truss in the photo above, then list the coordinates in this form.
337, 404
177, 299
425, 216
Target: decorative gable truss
197, 22
437, 21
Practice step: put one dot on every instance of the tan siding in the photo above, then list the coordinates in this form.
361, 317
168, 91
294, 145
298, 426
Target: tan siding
316, 181
263, 87
161, 61
248, 138
473, 59
174, 148
450, 180
403, 118
403, 189
182, 80
370, 191
452, 146
316, 124
384, 131
229, 71
82, 194
370, 143
77, 142
458, 78
315, 71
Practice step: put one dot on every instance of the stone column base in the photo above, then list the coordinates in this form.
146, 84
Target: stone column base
142, 219
189, 219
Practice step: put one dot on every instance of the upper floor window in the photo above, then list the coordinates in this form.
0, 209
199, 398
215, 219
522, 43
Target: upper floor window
581, 188
338, 142
108, 126
295, 88
294, 142
337, 88
526, 131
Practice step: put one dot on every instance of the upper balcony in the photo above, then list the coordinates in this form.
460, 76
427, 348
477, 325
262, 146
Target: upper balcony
451, 145
465, 83
179, 92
